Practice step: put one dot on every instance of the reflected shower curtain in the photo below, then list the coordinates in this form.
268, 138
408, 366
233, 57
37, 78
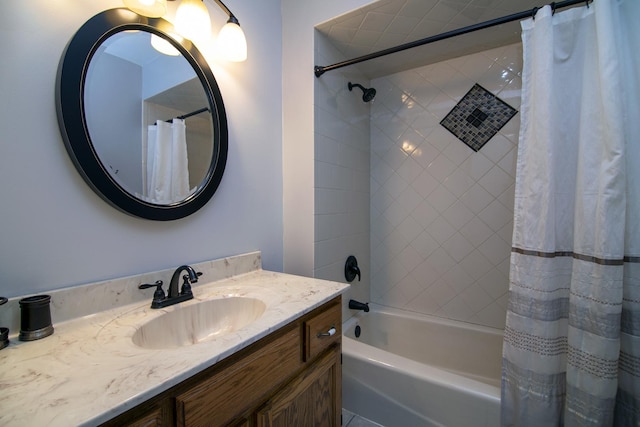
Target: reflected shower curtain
167, 164
571, 351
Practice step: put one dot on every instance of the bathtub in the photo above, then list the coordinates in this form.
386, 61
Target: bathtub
410, 370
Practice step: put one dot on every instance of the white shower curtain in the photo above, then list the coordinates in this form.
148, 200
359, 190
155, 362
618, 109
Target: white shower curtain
571, 351
167, 165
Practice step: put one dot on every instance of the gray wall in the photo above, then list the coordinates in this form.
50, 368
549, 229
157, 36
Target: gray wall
114, 117
299, 19
56, 232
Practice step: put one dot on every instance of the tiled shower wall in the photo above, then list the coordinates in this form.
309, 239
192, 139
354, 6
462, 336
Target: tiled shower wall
442, 214
342, 175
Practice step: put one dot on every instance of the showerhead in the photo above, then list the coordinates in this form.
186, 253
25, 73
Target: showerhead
367, 94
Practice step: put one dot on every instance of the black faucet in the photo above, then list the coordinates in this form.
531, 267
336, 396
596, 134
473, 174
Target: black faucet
357, 305
188, 280
174, 296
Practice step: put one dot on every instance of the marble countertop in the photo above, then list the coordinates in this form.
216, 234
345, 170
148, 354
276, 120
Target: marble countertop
90, 371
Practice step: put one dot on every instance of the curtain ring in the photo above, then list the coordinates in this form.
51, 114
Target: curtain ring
533, 13
553, 8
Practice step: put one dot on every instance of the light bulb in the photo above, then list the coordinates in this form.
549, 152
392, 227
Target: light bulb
150, 8
163, 46
192, 20
232, 43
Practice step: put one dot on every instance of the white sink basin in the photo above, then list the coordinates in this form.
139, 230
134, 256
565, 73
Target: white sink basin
191, 324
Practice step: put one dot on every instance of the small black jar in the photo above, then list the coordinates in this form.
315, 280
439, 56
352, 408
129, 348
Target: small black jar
35, 318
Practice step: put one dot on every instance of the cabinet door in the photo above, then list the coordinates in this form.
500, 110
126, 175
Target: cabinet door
220, 399
314, 398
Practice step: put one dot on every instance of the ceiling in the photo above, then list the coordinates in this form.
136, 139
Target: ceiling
389, 23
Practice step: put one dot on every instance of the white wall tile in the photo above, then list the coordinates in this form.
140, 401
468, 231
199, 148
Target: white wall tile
476, 264
410, 170
425, 214
458, 247
497, 147
441, 230
438, 215
456, 309
457, 153
441, 293
458, 215
495, 215
476, 198
441, 214
495, 249
458, 279
425, 154
496, 181
475, 298
476, 231
344, 206
425, 244
458, 182
493, 283
409, 199
441, 198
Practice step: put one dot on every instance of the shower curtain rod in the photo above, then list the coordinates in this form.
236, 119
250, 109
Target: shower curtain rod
320, 70
193, 113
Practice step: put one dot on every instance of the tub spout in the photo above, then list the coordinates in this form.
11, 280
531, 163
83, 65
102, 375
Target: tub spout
357, 305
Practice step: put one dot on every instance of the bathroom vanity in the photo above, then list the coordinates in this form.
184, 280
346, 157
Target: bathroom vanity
272, 358
289, 378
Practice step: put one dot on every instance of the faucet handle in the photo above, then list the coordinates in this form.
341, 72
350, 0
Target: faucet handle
158, 295
187, 281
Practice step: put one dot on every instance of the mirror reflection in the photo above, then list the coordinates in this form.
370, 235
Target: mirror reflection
147, 115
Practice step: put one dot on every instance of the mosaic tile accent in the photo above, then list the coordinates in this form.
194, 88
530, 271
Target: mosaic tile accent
478, 117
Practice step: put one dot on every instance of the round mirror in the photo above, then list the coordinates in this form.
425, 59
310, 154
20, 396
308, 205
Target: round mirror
141, 116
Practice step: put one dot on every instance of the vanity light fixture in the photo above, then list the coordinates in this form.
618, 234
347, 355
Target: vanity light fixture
231, 43
150, 8
193, 22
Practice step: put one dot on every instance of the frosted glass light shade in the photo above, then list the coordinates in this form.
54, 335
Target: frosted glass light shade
163, 46
232, 44
192, 20
150, 8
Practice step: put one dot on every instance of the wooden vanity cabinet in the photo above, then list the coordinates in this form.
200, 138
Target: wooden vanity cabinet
291, 377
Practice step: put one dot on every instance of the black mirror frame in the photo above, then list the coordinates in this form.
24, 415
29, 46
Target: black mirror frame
70, 81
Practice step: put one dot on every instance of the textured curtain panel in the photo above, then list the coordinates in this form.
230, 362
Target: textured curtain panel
167, 166
572, 337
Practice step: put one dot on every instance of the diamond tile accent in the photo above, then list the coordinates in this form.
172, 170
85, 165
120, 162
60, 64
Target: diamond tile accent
478, 117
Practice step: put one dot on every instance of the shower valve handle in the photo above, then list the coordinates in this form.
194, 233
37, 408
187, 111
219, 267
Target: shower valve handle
351, 269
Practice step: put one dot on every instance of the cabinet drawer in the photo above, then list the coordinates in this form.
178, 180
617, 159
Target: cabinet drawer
217, 400
317, 327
